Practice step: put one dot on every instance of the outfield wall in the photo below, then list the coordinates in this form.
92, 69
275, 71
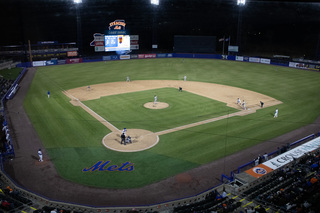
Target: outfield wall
299, 65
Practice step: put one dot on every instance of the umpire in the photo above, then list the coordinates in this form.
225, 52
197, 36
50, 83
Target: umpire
123, 139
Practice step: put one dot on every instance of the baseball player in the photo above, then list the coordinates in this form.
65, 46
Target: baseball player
40, 155
238, 101
48, 94
155, 99
244, 105
128, 79
276, 113
124, 131
185, 78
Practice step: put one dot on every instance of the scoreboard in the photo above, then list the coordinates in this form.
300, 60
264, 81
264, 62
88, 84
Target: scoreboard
117, 42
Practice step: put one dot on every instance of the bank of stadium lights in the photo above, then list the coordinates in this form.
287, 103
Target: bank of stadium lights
155, 2
77, 1
241, 2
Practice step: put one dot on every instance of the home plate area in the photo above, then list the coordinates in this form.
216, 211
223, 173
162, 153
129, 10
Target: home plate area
140, 140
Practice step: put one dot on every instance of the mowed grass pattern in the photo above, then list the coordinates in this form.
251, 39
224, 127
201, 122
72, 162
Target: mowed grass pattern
73, 138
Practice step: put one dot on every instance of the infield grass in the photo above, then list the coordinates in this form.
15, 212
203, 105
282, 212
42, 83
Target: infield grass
79, 146
127, 110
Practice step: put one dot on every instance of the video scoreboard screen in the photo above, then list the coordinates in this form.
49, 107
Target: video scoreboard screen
116, 42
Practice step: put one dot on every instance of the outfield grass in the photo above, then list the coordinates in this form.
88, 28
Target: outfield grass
73, 138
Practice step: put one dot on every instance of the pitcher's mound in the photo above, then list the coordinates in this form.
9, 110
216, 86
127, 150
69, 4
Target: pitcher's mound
158, 105
141, 140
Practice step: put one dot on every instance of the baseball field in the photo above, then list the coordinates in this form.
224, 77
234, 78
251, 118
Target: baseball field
80, 127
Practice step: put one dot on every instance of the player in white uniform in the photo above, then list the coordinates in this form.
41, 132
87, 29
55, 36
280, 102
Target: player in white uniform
155, 99
185, 78
276, 113
244, 105
128, 79
40, 155
238, 101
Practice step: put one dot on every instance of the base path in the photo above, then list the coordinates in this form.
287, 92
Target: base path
223, 93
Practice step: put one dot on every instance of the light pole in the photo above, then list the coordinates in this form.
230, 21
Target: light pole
155, 4
79, 37
241, 4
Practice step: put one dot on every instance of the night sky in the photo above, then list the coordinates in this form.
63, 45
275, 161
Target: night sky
268, 27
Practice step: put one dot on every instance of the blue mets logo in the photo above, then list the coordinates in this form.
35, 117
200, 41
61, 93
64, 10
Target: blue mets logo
259, 170
106, 166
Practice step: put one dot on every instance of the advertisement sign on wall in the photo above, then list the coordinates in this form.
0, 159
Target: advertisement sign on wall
122, 57
239, 58
38, 63
265, 61
72, 53
74, 60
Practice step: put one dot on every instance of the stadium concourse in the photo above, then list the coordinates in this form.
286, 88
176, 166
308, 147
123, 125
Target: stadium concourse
37, 187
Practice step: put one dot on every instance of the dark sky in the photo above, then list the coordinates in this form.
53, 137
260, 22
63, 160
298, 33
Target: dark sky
274, 27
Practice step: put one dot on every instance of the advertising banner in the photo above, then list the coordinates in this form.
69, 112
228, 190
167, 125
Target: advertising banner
265, 61
74, 60
297, 152
106, 58
72, 53
298, 65
114, 57
283, 159
253, 59
133, 56
122, 57
239, 58
61, 62
38, 63
12, 92
51, 62
150, 55
162, 55
141, 56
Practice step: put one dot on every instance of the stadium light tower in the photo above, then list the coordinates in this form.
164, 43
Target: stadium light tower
155, 3
79, 37
240, 3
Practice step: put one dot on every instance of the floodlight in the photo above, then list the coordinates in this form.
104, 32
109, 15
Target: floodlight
77, 1
155, 2
241, 2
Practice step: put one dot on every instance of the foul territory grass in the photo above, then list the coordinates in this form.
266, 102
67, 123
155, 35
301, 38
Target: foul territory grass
127, 110
73, 138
